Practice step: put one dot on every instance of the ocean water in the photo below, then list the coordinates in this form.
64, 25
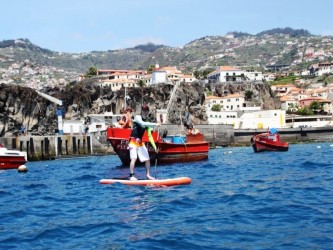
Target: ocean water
237, 200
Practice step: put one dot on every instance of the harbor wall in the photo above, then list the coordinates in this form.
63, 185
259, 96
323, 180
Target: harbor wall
62, 146
51, 147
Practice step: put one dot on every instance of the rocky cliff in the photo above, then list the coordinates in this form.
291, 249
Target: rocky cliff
23, 106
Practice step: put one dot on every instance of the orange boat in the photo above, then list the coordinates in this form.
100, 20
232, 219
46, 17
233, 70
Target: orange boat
171, 149
269, 141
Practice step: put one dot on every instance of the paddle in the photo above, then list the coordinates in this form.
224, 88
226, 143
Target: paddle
156, 162
156, 156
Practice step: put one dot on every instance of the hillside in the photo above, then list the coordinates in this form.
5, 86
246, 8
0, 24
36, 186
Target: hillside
276, 46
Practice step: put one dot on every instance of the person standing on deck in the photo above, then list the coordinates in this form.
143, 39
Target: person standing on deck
125, 121
136, 147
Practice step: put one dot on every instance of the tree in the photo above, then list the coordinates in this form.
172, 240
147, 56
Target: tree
248, 95
141, 83
92, 71
206, 72
304, 111
216, 107
150, 68
196, 74
315, 106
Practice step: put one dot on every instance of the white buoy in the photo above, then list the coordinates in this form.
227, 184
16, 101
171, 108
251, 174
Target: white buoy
22, 169
318, 146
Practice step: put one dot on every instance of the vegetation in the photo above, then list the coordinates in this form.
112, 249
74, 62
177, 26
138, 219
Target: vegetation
239, 34
282, 80
92, 71
202, 74
216, 107
149, 47
248, 95
285, 31
312, 109
141, 83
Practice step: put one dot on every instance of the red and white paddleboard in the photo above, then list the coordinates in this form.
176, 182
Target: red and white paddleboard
157, 182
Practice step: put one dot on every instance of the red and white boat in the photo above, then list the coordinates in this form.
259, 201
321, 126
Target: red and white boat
269, 141
171, 149
11, 159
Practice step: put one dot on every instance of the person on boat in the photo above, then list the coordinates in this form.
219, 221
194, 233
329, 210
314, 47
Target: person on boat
125, 121
22, 130
272, 134
191, 130
136, 147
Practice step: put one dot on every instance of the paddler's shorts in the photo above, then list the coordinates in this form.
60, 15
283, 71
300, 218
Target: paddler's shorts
138, 149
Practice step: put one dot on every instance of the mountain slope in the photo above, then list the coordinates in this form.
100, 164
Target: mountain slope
280, 45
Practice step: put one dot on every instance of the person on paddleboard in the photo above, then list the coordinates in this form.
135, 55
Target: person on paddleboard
136, 147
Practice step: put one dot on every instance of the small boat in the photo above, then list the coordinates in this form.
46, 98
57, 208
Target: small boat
269, 141
11, 159
171, 149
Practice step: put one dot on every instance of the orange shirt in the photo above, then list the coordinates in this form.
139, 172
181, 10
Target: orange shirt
125, 121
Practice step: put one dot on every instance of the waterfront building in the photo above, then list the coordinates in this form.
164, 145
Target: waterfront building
259, 119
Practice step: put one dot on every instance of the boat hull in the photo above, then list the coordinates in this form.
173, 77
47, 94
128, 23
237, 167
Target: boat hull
193, 149
11, 159
262, 143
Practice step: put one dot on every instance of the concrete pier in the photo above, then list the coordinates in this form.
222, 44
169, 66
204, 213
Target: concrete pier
51, 147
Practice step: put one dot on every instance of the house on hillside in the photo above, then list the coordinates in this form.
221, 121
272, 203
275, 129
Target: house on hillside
282, 89
289, 103
169, 75
117, 79
326, 104
252, 75
269, 77
121, 74
227, 74
117, 84
210, 101
322, 68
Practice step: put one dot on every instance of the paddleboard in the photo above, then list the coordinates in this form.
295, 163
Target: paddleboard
157, 182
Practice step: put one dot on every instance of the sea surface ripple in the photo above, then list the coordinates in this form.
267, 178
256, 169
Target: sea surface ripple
237, 200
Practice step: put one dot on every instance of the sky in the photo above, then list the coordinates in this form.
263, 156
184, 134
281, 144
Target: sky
76, 26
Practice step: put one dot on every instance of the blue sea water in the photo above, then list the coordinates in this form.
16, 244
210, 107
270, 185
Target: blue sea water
237, 200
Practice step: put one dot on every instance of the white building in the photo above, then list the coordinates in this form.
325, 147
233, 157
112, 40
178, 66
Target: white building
253, 75
159, 76
168, 75
72, 127
227, 74
261, 119
233, 102
288, 103
100, 122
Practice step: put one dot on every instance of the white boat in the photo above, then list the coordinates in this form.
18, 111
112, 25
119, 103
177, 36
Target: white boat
11, 159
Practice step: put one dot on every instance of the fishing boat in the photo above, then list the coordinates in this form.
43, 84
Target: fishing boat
269, 141
11, 159
171, 149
